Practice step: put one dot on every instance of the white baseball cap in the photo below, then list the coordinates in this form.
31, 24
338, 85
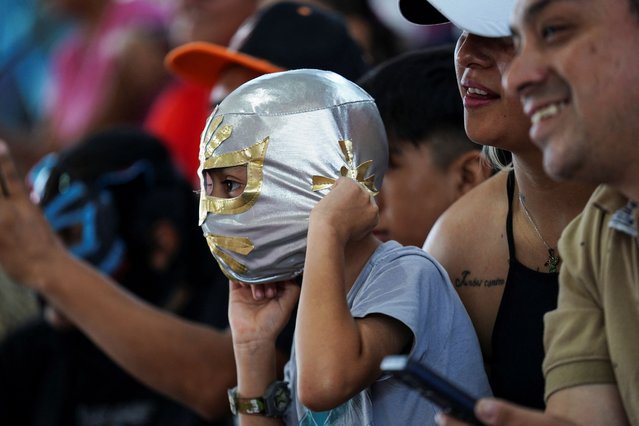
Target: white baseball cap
488, 18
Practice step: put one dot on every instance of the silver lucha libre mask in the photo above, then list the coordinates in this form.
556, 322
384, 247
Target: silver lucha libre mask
296, 132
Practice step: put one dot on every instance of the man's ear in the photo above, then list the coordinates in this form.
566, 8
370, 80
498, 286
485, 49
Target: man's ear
166, 242
471, 170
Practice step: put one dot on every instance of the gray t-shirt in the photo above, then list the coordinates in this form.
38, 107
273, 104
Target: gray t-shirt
407, 284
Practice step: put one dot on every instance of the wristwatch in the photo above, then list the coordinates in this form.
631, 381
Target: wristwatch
273, 403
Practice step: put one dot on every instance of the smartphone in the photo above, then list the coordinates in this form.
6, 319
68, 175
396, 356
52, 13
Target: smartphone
446, 395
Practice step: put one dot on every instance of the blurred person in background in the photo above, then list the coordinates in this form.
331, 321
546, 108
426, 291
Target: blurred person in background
179, 113
106, 70
29, 32
117, 202
378, 41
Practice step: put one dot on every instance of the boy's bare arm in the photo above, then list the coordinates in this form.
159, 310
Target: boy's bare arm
337, 355
191, 363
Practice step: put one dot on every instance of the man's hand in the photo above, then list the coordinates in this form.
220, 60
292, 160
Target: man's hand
26, 239
497, 412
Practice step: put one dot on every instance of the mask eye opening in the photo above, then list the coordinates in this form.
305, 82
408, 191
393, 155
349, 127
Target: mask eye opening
225, 182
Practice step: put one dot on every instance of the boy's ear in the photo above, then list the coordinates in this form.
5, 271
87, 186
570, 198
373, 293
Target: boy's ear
471, 170
165, 244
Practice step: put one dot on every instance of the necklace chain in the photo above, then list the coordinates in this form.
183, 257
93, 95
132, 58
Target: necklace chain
553, 259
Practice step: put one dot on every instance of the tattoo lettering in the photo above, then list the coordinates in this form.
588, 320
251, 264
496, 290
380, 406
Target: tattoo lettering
466, 281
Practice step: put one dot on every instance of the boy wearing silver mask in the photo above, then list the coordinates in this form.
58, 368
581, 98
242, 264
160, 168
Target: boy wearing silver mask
291, 161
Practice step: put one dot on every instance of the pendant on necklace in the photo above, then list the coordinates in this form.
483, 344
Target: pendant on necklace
553, 261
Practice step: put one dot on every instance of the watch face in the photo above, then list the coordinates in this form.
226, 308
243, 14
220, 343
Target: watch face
274, 403
278, 398
282, 398
232, 396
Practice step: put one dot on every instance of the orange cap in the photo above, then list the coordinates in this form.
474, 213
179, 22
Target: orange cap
202, 62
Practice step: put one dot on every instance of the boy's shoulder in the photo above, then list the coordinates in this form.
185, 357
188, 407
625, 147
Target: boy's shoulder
407, 284
392, 251
410, 265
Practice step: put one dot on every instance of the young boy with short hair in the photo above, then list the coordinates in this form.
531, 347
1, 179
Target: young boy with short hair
432, 161
292, 160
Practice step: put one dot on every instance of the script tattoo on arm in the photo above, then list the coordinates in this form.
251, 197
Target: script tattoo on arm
465, 280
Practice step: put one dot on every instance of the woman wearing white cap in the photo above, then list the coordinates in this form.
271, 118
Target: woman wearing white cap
499, 242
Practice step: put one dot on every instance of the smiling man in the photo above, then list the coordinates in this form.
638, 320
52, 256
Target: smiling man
578, 85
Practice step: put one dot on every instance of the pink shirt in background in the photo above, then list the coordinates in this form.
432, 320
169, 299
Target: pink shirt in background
83, 67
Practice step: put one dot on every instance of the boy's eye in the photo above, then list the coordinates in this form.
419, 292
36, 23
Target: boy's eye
226, 182
231, 185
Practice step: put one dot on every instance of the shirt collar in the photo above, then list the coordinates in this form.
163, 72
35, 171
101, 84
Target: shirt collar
625, 214
625, 219
624, 211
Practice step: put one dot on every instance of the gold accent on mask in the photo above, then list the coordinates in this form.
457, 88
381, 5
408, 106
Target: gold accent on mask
350, 170
213, 138
240, 245
252, 156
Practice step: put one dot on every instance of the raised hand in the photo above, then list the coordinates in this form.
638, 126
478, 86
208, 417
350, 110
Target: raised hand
349, 209
259, 312
26, 239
